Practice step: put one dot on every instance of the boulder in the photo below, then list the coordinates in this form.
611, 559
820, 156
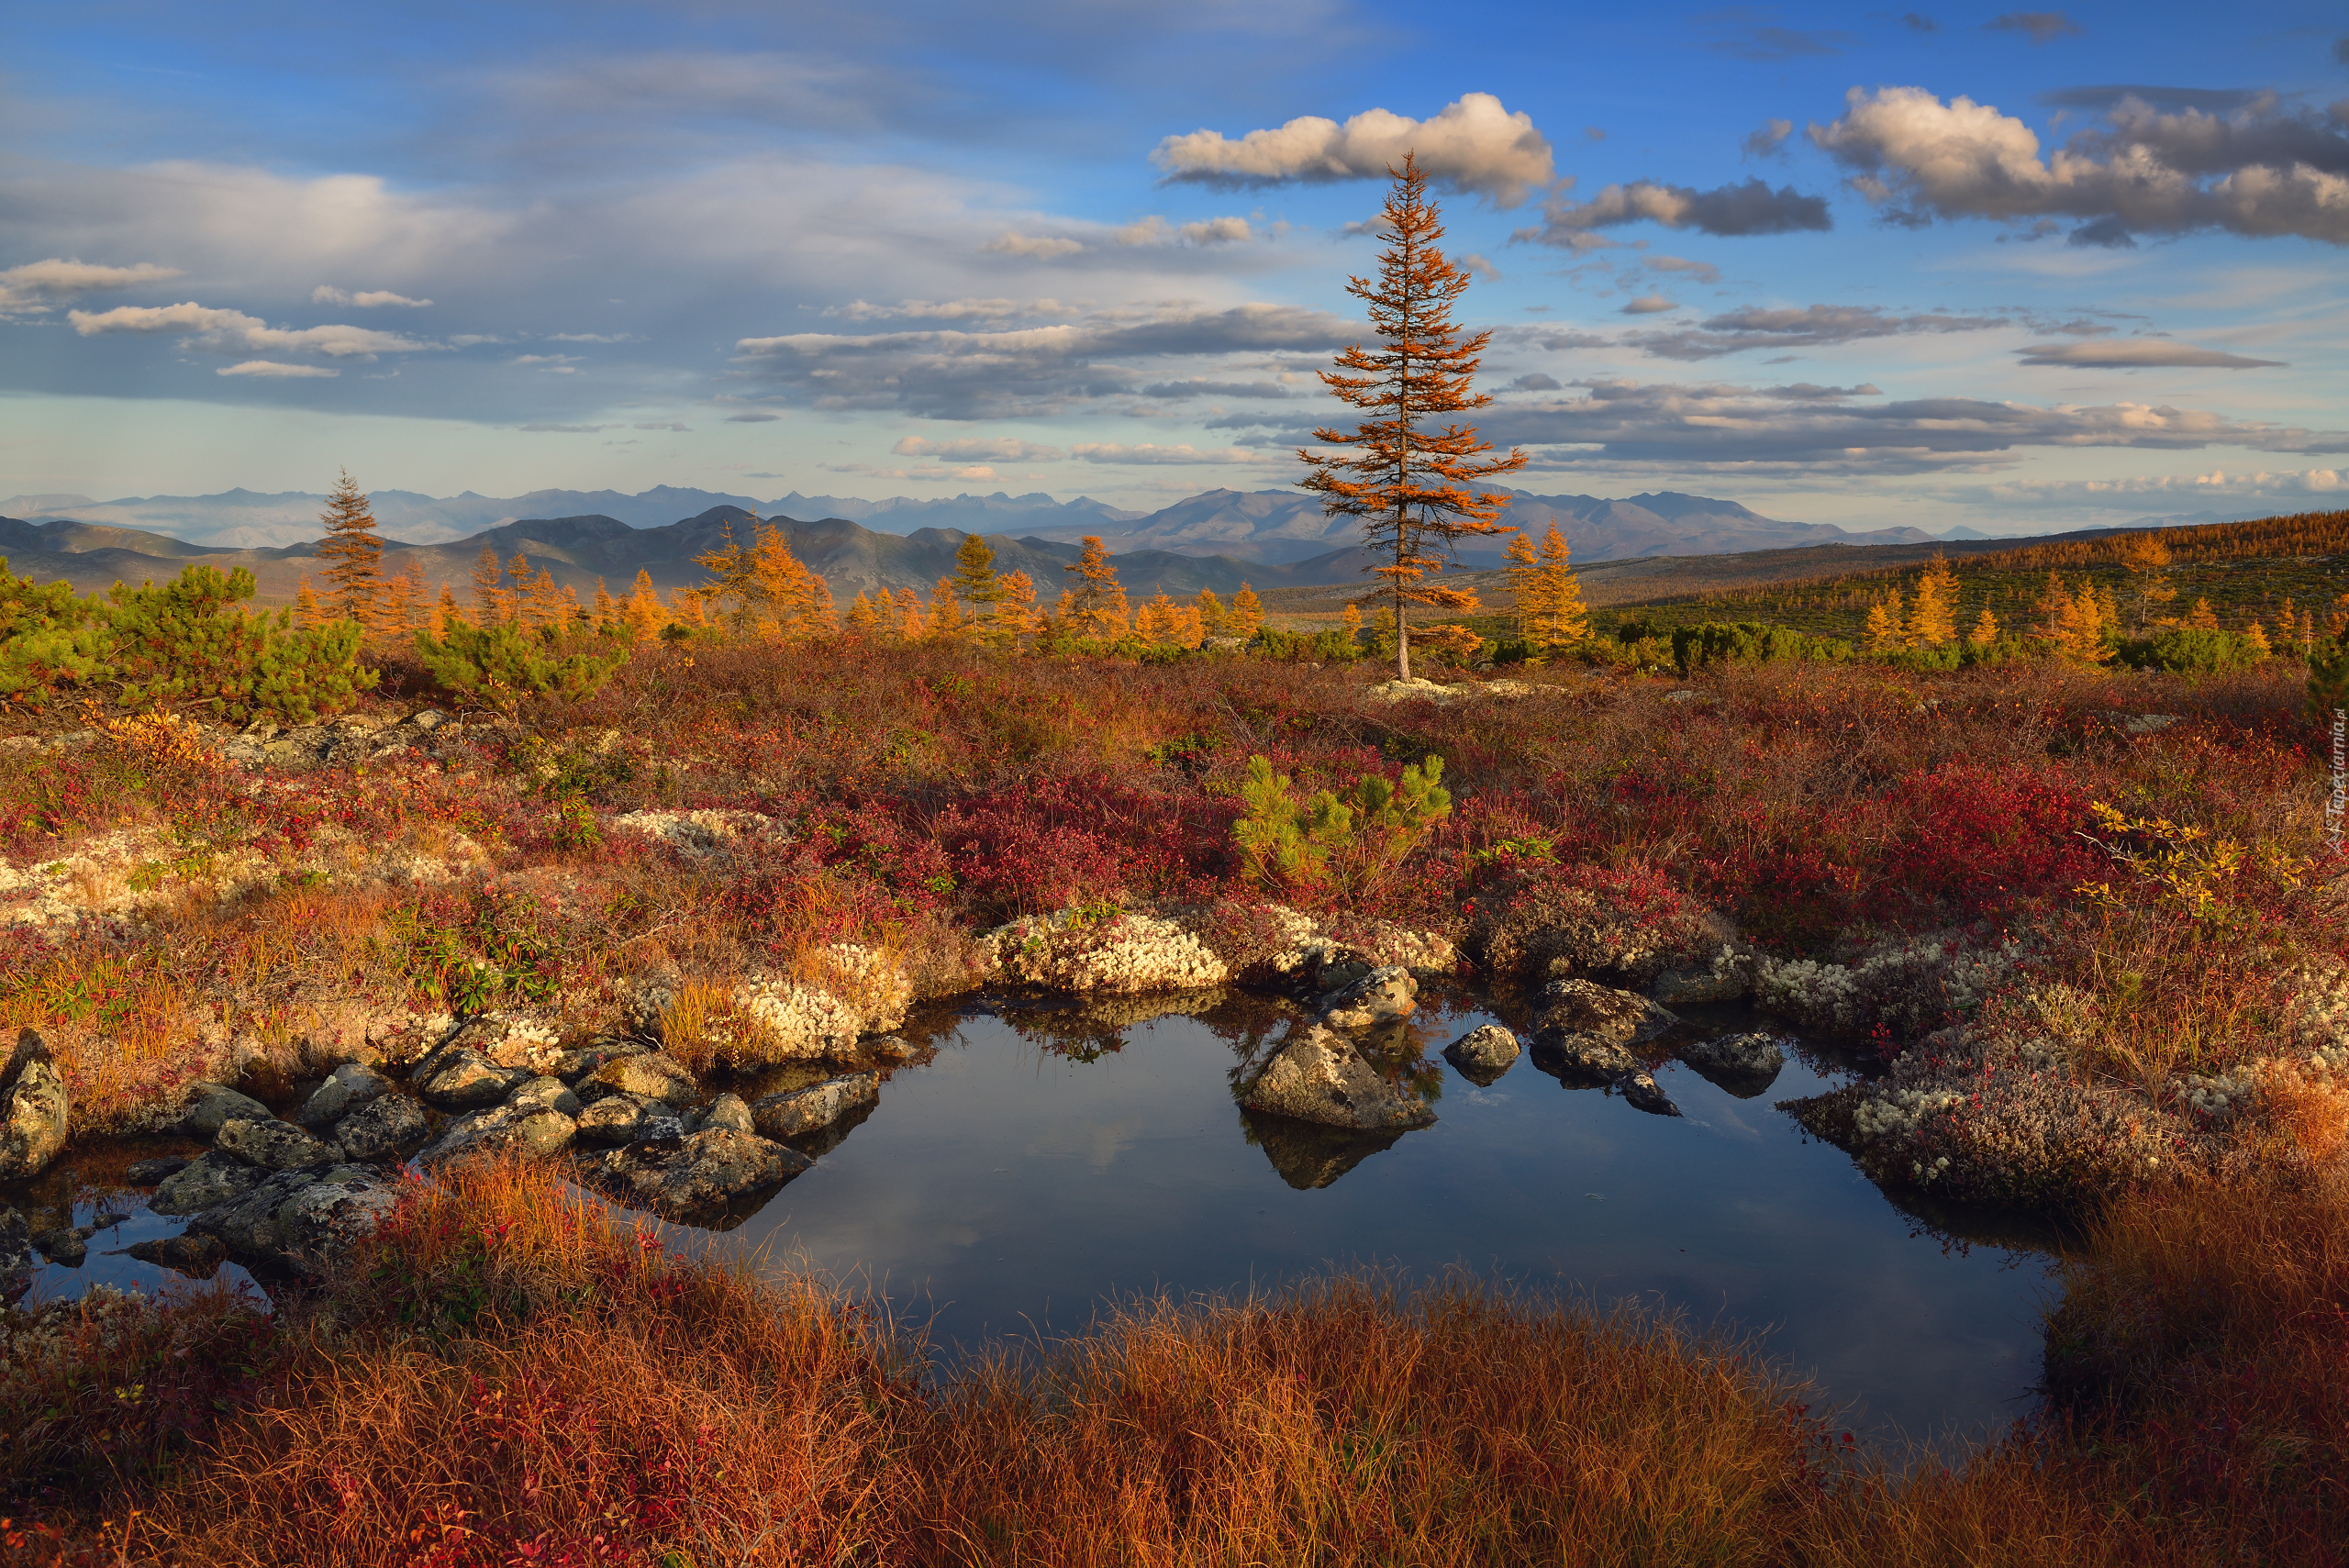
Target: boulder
67, 1245
34, 1110
459, 1079
652, 1076
381, 1128
1701, 985
1744, 1065
197, 1257
706, 1178
309, 1218
511, 1039
1587, 1030
798, 1112
1642, 1093
1382, 996
574, 1066
148, 1172
212, 1106
545, 1094
727, 1111
1318, 1076
1580, 1059
350, 1086
205, 1183
615, 1118
271, 1145
1481, 1055
527, 1129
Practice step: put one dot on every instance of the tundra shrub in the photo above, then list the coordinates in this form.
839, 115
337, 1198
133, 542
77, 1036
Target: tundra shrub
1749, 642
504, 665
185, 643
2190, 651
2329, 680
49, 637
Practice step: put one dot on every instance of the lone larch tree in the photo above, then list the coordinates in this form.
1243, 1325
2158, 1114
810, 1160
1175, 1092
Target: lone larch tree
352, 554
1411, 482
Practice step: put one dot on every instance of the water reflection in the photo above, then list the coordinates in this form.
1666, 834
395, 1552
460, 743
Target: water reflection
1038, 1161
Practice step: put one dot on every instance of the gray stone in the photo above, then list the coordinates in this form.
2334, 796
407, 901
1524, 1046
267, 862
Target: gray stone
1699, 987
800, 1112
197, 1257
615, 1118
700, 1179
381, 1128
660, 1122
889, 1048
574, 1065
652, 1074
1642, 1093
205, 1182
727, 1111
528, 1130
271, 1145
68, 1246
350, 1086
1318, 1076
427, 719
212, 1106
1602, 1012
1750, 1056
462, 1080
35, 1110
148, 1173
1382, 996
304, 1218
545, 1094
1481, 1055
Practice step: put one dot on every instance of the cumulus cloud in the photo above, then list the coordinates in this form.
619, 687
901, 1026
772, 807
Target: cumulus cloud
2039, 27
1472, 144
977, 449
1720, 425
1813, 326
2137, 353
2260, 170
366, 299
36, 286
1536, 381
276, 372
1767, 140
1156, 231
234, 332
1750, 208
946, 373
1650, 304
1478, 266
1043, 248
1149, 456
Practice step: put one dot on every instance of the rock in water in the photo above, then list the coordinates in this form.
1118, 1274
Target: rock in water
34, 1110
206, 1183
197, 1257
462, 1080
652, 1076
350, 1086
1318, 1076
1309, 1156
308, 1218
1586, 1031
1483, 1055
798, 1112
727, 1111
703, 1179
1744, 1065
381, 1128
148, 1172
211, 1107
273, 1145
615, 1118
1642, 1093
1382, 996
526, 1128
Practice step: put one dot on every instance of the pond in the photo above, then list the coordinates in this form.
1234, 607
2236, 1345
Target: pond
1010, 1185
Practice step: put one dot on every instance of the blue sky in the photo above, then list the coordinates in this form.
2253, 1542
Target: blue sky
1871, 267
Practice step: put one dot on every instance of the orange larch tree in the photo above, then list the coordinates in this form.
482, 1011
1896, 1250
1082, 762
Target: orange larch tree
1410, 482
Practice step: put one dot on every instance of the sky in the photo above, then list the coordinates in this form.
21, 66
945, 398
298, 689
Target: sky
1935, 267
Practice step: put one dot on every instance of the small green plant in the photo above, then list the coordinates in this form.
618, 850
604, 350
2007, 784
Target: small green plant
2191, 650
503, 665
2329, 680
1281, 840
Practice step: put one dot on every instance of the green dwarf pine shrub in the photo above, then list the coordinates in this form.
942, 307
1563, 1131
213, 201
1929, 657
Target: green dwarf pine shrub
2190, 651
503, 665
1281, 840
185, 643
2329, 679
50, 637
1750, 642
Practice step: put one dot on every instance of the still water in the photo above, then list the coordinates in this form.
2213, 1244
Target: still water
1010, 1184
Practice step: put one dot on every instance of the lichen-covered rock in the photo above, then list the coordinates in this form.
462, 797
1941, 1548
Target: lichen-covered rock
1581, 1059
271, 1145
308, 1218
381, 1128
35, 1110
615, 1118
1728, 978
544, 1095
1481, 1055
151, 1173
727, 1111
700, 1179
1642, 1093
457, 1079
197, 1257
210, 1106
1601, 1013
1114, 950
529, 1130
1756, 1057
205, 1183
800, 1112
1318, 1076
511, 1039
1623, 926
574, 1067
1382, 996
350, 1086
651, 1075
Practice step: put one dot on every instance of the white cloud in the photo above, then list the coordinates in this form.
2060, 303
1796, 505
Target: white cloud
1472, 144
1695, 272
2260, 170
1751, 207
1149, 455
2137, 353
1156, 231
35, 286
274, 370
949, 310
1479, 267
1000, 449
1650, 304
974, 471
1041, 248
368, 299
232, 331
